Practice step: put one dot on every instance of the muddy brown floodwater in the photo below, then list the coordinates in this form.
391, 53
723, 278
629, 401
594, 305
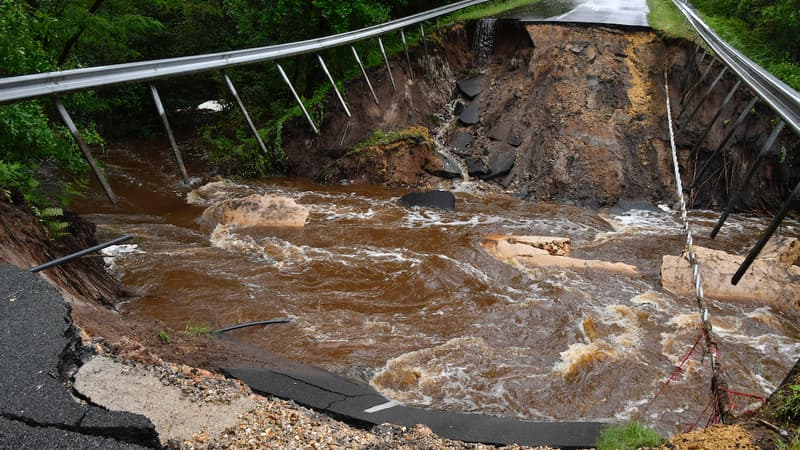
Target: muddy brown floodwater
408, 300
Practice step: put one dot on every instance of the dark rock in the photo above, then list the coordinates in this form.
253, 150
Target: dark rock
515, 136
471, 114
430, 199
460, 142
500, 163
443, 167
476, 166
458, 109
472, 87
500, 131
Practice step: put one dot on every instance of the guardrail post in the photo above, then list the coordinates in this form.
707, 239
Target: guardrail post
333, 83
247, 118
386, 60
746, 180
175, 150
696, 85
711, 124
705, 96
364, 72
793, 197
724, 143
408, 57
84, 149
297, 98
424, 42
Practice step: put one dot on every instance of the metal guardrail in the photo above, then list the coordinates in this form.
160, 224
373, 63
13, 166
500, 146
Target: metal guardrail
14, 89
780, 97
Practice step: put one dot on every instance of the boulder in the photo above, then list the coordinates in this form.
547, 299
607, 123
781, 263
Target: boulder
500, 131
257, 211
782, 249
500, 163
471, 114
430, 199
460, 142
514, 138
476, 166
441, 166
767, 280
566, 262
528, 252
472, 87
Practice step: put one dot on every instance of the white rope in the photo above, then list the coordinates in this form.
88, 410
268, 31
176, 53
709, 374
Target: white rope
692, 256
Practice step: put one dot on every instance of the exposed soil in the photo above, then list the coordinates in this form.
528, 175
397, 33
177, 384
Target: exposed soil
586, 109
716, 437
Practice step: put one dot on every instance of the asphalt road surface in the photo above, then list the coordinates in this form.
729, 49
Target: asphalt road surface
608, 12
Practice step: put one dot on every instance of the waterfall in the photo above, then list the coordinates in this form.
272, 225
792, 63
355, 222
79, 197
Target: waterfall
483, 41
447, 119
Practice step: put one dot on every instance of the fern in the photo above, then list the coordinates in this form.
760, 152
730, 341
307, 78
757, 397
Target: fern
49, 218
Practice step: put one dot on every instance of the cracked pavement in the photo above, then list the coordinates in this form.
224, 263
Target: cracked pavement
40, 350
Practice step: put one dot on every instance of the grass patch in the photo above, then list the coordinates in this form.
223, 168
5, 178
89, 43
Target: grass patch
197, 331
632, 436
774, 59
665, 17
380, 138
789, 408
488, 9
794, 444
163, 336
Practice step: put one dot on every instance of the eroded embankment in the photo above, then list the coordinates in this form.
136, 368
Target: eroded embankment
577, 112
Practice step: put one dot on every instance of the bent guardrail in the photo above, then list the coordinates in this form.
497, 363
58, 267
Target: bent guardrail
781, 98
13, 89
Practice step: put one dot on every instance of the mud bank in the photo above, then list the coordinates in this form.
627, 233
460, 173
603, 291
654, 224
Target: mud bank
580, 109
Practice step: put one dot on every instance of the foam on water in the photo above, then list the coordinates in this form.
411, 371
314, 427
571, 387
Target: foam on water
271, 250
640, 223
622, 339
117, 251
217, 191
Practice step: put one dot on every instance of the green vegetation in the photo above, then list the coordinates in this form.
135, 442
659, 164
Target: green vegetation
665, 17
380, 138
789, 408
197, 330
764, 30
632, 436
48, 35
487, 9
50, 218
163, 336
794, 444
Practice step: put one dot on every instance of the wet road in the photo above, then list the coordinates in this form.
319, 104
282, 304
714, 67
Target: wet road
609, 12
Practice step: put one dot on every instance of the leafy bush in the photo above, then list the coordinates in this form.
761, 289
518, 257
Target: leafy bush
632, 436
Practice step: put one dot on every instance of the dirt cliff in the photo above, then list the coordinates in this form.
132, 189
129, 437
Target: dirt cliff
568, 113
